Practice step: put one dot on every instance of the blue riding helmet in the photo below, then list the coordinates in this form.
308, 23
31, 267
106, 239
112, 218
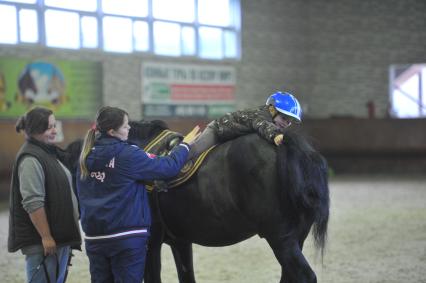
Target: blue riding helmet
286, 104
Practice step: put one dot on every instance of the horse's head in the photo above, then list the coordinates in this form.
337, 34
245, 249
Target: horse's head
144, 133
73, 153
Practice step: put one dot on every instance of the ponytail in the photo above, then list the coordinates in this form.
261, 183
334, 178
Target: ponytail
89, 140
107, 118
20, 124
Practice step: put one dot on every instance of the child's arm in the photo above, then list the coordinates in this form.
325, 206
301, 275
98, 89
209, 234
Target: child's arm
243, 122
266, 129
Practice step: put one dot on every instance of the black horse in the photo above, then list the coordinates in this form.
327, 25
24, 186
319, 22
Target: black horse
244, 187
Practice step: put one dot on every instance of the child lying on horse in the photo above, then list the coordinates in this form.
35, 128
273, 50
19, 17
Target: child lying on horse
269, 121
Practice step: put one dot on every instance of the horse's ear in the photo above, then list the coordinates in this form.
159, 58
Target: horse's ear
73, 154
160, 124
75, 146
134, 123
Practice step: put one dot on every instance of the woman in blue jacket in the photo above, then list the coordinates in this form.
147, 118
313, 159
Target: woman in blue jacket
115, 213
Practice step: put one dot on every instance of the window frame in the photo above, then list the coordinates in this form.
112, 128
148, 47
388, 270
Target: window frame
41, 8
400, 75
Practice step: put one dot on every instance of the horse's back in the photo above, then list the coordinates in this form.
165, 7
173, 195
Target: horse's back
233, 192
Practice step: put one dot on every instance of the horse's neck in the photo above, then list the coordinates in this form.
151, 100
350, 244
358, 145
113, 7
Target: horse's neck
162, 143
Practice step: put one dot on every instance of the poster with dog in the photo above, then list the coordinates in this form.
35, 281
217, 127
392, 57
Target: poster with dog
73, 89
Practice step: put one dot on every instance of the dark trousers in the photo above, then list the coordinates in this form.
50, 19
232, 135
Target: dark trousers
117, 260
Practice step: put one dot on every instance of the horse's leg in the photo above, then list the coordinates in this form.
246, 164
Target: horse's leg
294, 266
153, 257
304, 229
182, 253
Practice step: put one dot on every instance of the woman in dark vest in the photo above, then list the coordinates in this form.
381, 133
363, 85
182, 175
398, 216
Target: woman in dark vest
43, 220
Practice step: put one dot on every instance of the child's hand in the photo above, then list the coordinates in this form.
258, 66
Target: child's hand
192, 135
278, 139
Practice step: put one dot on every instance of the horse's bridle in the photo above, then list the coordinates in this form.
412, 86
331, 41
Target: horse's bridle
154, 146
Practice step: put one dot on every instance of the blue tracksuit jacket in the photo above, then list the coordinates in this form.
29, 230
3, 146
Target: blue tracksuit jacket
113, 201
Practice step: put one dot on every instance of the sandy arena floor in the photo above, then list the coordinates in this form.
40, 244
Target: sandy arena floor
377, 233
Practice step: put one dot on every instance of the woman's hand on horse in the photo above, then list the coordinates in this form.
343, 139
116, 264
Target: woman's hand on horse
278, 139
192, 135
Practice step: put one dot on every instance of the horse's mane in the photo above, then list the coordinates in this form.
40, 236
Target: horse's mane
305, 172
73, 149
299, 140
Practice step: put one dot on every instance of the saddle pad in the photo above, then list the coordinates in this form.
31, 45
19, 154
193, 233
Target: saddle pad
190, 167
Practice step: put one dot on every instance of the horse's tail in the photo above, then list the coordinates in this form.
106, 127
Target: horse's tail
304, 172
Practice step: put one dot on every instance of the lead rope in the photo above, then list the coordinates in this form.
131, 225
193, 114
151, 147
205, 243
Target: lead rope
154, 191
46, 274
160, 215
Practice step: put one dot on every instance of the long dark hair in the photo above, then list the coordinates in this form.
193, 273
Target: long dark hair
305, 171
35, 121
107, 118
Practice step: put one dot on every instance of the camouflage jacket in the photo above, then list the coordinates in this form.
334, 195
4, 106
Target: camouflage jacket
235, 124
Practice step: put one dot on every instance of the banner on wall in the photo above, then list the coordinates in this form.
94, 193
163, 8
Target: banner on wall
72, 89
186, 90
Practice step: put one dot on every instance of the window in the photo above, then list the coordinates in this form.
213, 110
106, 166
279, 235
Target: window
21, 1
62, 29
8, 25
117, 34
208, 29
188, 41
79, 5
172, 10
167, 39
89, 32
408, 91
28, 29
230, 44
214, 12
211, 43
141, 35
135, 8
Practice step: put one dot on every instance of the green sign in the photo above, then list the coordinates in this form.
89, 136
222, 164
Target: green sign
160, 92
72, 89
